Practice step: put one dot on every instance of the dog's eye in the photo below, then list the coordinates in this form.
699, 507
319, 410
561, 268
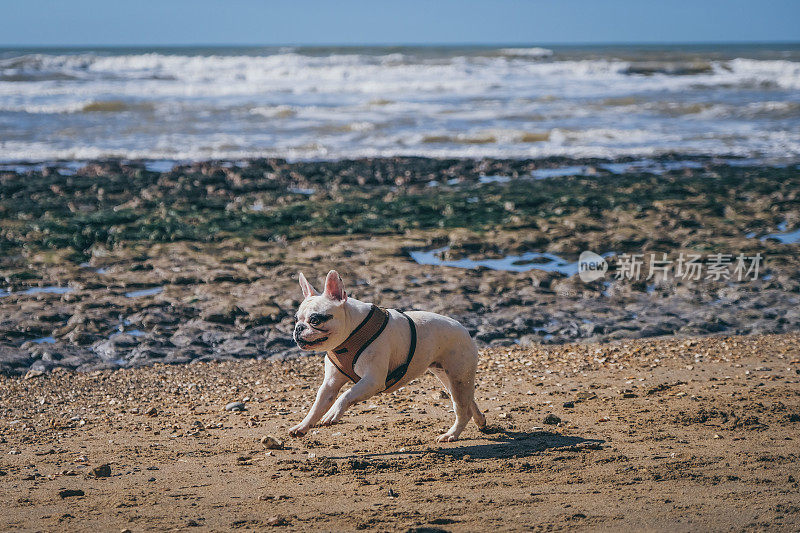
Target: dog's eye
314, 321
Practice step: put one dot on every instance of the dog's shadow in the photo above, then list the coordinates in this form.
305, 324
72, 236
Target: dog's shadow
505, 443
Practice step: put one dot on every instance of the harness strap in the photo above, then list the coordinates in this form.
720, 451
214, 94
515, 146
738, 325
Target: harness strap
398, 373
344, 356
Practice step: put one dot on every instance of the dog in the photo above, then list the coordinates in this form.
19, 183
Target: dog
381, 350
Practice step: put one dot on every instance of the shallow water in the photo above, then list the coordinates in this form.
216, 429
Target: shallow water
52, 289
786, 237
512, 263
144, 292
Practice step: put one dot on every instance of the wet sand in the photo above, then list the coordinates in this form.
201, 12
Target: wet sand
662, 435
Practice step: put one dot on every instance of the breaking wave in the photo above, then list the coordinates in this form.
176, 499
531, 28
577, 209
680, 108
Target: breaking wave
510, 102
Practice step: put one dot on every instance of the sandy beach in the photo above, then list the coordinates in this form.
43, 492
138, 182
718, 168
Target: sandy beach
659, 435
615, 225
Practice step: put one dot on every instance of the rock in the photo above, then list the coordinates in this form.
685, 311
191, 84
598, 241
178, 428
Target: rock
68, 493
271, 443
277, 521
152, 412
102, 471
569, 405
223, 315
33, 374
235, 406
551, 419
585, 395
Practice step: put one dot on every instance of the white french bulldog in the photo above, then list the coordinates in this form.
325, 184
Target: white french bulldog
443, 346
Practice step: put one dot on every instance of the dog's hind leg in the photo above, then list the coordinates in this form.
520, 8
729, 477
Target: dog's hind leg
459, 380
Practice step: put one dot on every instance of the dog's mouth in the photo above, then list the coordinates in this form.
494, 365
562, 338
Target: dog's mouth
308, 344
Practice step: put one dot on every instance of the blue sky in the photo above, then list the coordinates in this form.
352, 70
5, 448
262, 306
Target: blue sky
165, 22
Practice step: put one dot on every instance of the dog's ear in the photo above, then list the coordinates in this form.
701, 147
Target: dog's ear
308, 290
334, 287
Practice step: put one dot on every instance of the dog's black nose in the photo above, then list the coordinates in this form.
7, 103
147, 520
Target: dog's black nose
299, 328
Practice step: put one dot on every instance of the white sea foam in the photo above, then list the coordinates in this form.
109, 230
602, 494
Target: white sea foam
527, 52
511, 102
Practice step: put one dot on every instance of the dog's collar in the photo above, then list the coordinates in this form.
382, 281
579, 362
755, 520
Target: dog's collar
345, 355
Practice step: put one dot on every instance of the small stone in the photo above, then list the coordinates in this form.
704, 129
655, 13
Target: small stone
443, 395
192, 523
102, 471
151, 479
504, 416
392, 494
551, 419
716, 436
271, 443
585, 395
68, 493
569, 405
235, 406
33, 374
152, 412
277, 521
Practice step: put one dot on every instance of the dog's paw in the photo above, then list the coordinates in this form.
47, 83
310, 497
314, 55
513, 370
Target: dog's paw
447, 437
298, 431
330, 418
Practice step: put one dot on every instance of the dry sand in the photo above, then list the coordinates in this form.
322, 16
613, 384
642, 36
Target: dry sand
675, 434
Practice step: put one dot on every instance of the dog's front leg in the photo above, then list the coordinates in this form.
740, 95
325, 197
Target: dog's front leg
366, 387
331, 384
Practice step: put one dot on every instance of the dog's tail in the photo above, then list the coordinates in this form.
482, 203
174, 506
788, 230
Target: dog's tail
477, 416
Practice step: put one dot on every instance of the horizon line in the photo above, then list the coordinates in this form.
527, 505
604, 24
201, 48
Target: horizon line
407, 45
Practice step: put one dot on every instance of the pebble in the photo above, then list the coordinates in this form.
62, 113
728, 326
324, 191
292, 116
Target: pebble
551, 419
67, 493
102, 471
271, 443
235, 406
569, 405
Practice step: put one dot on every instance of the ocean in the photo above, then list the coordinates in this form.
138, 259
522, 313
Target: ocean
183, 104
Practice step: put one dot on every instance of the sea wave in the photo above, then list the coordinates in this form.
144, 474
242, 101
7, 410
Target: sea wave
527, 52
352, 70
505, 102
